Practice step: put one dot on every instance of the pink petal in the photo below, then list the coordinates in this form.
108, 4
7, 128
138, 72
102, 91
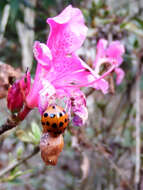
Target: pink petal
69, 70
44, 58
101, 47
42, 53
32, 98
90, 78
64, 71
67, 31
100, 53
46, 95
80, 117
25, 84
119, 75
115, 51
102, 85
78, 108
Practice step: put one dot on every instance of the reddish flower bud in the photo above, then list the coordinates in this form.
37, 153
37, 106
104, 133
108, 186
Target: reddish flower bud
25, 83
17, 93
15, 97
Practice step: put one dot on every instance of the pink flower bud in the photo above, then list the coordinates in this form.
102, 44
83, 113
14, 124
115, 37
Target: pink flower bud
15, 98
18, 92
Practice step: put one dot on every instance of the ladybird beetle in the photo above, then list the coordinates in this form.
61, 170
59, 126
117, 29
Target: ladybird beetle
54, 120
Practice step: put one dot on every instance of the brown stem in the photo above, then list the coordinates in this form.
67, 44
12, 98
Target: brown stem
91, 90
24, 113
13, 121
8, 125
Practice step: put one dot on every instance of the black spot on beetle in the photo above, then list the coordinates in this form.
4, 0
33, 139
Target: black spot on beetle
58, 132
66, 120
54, 125
47, 123
60, 114
43, 123
61, 124
45, 114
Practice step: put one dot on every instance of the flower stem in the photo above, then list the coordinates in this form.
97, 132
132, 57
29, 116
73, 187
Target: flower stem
13, 121
24, 113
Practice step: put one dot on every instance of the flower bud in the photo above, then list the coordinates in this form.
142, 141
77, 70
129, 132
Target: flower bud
17, 93
15, 98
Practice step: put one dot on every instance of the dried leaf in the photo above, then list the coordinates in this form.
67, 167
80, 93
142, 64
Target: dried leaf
7, 74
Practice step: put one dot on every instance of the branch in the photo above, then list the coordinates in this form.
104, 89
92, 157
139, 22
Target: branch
10, 124
89, 92
19, 162
129, 109
138, 140
13, 121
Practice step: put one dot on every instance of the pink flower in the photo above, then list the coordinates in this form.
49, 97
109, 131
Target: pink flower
112, 55
17, 93
60, 71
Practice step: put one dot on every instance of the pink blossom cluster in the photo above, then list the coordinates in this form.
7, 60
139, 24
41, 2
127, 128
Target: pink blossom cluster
61, 73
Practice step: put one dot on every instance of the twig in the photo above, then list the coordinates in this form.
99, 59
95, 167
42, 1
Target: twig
138, 141
127, 117
10, 124
13, 121
100, 148
122, 102
89, 92
18, 162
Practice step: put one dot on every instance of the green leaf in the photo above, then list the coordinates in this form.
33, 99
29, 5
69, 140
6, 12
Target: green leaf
23, 136
33, 135
36, 130
132, 27
13, 177
123, 25
19, 152
139, 21
48, 3
16, 181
